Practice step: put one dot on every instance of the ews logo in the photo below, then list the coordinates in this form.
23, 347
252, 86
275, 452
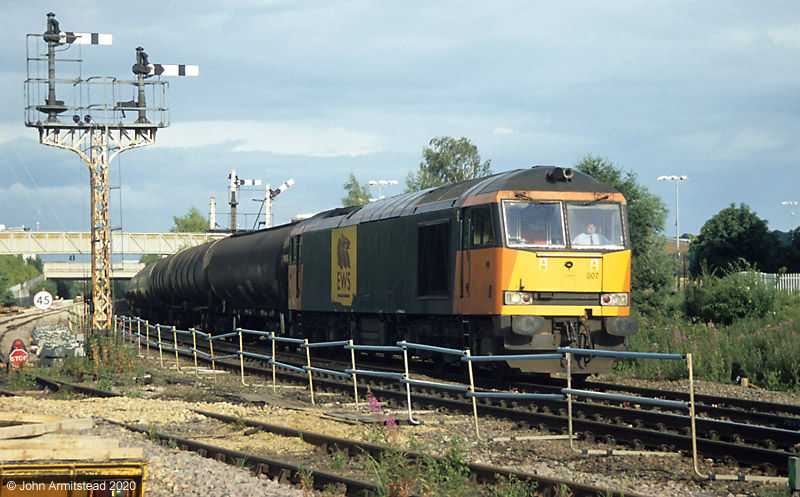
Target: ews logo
343, 265
343, 261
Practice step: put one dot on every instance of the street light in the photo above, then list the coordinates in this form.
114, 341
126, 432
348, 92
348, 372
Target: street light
791, 205
676, 179
381, 183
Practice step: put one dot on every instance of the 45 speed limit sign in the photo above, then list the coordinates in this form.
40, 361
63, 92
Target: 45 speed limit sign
43, 300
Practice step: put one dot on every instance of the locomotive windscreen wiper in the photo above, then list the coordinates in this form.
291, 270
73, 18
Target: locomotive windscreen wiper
599, 199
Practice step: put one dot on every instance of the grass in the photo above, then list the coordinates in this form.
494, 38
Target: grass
396, 474
766, 349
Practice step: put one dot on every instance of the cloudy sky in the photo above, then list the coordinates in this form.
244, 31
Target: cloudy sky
315, 90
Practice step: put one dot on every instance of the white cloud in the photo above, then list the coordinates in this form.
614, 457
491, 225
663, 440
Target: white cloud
726, 146
500, 130
10, 131
786, 35
275, 137
754, 141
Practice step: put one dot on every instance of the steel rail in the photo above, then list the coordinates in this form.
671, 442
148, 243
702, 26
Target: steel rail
769, 460
482, 473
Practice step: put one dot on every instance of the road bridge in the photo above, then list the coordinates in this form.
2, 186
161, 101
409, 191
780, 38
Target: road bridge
83, 270
80, 242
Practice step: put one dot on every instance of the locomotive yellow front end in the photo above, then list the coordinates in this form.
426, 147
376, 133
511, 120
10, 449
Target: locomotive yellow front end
559, 278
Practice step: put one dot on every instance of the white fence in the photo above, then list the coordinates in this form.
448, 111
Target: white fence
784, 282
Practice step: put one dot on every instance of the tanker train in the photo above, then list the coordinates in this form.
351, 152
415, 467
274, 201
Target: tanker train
520, 262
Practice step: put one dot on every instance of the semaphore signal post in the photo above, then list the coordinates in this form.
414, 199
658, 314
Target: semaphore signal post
92, 118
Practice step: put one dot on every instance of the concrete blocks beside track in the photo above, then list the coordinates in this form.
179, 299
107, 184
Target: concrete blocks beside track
52, 342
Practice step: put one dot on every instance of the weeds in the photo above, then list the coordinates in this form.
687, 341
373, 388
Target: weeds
396, 474
773, 492
338, 458
105, 384
764, 349
21, 379
334, 490
152, 432
239, 425
512, 487
563, 491
306, 478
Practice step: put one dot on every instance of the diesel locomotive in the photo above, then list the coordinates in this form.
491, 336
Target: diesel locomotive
520, 262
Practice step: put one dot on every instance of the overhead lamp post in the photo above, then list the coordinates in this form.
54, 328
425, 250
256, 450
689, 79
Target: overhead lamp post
676, 179
381, 183
792, 204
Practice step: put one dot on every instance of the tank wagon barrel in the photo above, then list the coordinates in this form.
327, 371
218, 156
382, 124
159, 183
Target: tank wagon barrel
246, 270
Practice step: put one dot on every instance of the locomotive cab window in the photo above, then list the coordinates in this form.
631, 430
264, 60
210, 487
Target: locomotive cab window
294, 251
481, 228
531, 224
433, 251
596, 225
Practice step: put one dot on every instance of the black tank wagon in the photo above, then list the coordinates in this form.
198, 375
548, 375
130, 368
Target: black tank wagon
503, 265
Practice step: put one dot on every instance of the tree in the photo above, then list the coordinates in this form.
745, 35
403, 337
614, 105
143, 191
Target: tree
732, 234
652, 270
15, 270
6, 298
447, 161
791, 252
149, 258
356, 193
192, 222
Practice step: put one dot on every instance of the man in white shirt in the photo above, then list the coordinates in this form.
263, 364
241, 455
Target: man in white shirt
590, 237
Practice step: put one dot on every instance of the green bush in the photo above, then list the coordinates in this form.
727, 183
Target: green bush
737, 295
764, 349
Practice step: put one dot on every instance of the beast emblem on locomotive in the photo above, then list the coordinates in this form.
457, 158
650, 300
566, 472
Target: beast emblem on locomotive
523, 261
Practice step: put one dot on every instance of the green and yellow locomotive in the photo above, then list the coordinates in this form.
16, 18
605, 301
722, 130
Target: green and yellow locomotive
523, 261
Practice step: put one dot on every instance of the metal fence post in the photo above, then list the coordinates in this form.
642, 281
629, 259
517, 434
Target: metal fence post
355, 378
213, 361
472, 389
408, 387
194, 351
241, 359
274, 388
308, 361
160, 350
692, 415
175, 341
568, 358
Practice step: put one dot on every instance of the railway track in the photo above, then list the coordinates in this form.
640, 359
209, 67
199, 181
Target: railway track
289, 473
737, 410
744, 443
12, 322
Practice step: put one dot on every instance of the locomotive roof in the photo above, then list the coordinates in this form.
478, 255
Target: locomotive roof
537, 178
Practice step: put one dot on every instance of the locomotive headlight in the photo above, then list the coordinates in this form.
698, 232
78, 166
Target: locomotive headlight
614, 299
517, 298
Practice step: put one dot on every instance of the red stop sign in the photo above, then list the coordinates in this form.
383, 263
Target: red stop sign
18, 357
